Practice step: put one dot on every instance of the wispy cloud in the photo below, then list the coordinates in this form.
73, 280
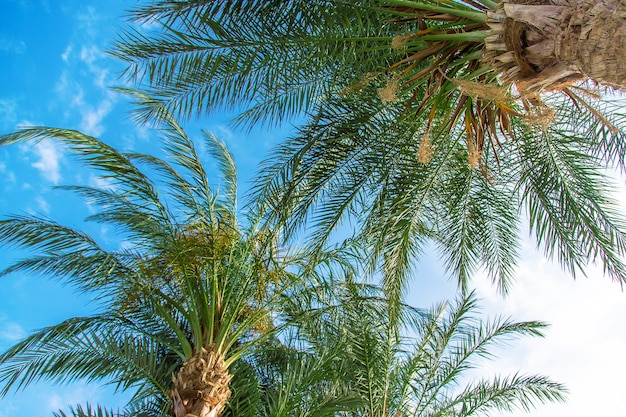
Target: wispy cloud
99, 182
8, 181
14, 46
223, 132
66, 53
91, 122
87, 19
72, 88
10, 331
8, 113
77, 393
42, 204
89, 53
48, 163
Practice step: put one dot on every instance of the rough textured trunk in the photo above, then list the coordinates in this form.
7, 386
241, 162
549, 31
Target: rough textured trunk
200, 389
544, 45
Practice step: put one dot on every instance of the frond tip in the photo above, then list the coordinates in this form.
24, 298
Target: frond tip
88, 411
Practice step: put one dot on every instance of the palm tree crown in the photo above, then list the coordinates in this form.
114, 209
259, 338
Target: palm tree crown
428, 121
184, 298
419, 365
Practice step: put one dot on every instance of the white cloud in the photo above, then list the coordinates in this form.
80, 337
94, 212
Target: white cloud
91, 122
8, 113
73, 89
99, 182
124, 245
69, 89
7, 180
42, 204
88, 54
48, 164
10, 331
150, 25
101, 79
25, 123
223, 133
66, 54
78, 97
63, 83
141, 133
87, 21
584, 344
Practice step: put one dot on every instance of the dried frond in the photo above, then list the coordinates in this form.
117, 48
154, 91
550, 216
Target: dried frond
578, 100
593, 93
487, 174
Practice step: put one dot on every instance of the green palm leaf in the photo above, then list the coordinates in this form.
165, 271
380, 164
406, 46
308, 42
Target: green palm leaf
190, 280
425, 371
423, 122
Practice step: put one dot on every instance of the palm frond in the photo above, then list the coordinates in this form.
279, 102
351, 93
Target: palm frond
115, 167
568, 203
423, 373
479, 227
92, 348
88, 411
66, 253
505, 394
260, 66
228, 172
188, 281
400, 97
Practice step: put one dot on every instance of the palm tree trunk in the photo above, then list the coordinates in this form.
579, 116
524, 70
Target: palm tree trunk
200, 389
596, 41
548, 44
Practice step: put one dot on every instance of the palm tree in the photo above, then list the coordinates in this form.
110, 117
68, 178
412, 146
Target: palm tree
184, 298
186, 307
291, 52
428, 121
421, 365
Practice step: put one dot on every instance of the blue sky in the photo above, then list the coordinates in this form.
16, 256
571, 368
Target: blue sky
54, 71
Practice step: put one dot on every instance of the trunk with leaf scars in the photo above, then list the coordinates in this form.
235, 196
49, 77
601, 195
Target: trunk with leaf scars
200, 389
544, 45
